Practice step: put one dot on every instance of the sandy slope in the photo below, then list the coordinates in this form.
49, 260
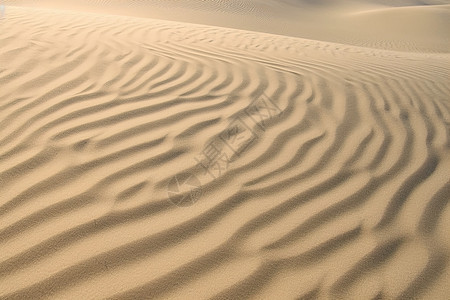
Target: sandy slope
343, 194
406, 25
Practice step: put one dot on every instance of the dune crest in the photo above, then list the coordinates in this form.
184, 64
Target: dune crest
401, 25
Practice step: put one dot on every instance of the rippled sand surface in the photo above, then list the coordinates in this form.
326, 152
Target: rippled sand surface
145, 159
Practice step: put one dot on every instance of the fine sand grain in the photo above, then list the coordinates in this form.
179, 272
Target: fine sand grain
335, 185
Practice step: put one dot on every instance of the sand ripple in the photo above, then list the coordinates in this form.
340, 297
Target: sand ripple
343, 193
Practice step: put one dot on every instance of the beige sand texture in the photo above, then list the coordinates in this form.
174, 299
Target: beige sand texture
341, 193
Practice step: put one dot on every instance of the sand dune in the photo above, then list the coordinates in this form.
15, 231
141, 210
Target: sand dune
405, 25
338, 189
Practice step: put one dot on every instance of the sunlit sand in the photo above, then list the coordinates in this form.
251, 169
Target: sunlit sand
224, 149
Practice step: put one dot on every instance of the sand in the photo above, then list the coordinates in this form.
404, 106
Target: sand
263, 156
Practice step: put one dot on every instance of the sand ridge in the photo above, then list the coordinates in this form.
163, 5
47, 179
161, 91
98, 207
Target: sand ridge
416, 25
341, 193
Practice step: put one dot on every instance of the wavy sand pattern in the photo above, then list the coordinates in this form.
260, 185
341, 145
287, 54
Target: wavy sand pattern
343, 194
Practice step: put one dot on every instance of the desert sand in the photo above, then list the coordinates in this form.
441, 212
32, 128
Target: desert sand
225, 149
